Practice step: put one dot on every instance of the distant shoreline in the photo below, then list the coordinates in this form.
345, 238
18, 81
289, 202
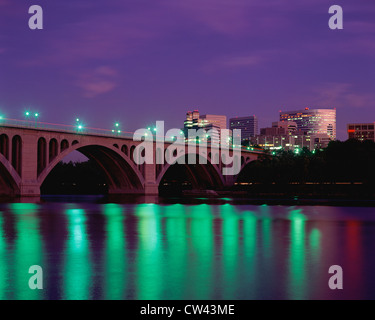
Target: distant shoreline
234, 198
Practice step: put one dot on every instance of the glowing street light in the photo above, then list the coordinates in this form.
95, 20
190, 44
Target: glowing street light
117, 128
36, 116
27, 115
79, 125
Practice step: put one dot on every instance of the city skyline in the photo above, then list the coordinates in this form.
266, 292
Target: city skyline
134, 62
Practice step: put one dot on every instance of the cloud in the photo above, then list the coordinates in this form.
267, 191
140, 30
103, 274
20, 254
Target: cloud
341, 95
231, 17
97, 35
234, 62
241, 61
96, 82
222, 16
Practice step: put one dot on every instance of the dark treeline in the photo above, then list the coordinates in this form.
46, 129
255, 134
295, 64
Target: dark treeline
75, 178
349, 162
343, 168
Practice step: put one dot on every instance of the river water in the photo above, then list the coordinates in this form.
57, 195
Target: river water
90, 249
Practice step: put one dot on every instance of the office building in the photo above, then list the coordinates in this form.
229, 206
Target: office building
285, 135
313, 121
361, 131
247, 125
218, 121
206, 122
291, 142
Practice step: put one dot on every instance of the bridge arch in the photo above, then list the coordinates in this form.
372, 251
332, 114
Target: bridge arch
4, 146
17, 153
246, 166
132, 149
125, 150
42, 155
10, 181
53, 149
121, 173
201, 176
64, 145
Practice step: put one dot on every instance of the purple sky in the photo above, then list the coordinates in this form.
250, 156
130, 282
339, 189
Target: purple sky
140, 61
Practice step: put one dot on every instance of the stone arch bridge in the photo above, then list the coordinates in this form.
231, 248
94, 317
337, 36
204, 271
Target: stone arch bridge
28, 155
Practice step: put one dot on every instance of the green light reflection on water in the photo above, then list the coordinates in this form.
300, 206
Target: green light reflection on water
115, 253
149, 280
28, 249
315, 239
297, 258
250, 239
3, 255
266, 231
176, 252
230, 250
201, 250
77, 262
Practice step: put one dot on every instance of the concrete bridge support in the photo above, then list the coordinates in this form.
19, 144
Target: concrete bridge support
150, 186
29, 186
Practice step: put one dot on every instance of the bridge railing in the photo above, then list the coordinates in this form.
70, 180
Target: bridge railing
84, 130
77, 129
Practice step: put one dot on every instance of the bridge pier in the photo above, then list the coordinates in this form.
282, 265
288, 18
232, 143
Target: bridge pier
29, 189
150, 185
151, 189
229, 180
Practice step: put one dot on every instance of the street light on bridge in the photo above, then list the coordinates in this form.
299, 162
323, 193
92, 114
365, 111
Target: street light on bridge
36, 116
117, 128
79, 125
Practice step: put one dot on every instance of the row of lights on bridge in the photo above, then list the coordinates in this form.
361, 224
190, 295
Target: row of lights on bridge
79, 125
116, 129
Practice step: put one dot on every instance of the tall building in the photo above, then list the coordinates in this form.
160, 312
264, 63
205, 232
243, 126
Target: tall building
361, 131
313, 121
207, 122
247, 125
215, 120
